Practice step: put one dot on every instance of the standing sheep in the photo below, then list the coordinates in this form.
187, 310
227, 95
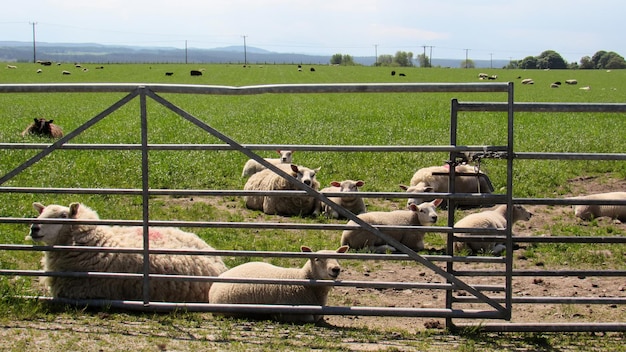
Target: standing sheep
353, 203
44, 128
252, 166
267, 180
119, 236
591, 211
435, 179
279, 294
424, 214
495, 218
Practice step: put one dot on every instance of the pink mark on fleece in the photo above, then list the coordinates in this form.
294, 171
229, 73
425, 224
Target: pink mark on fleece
152, 234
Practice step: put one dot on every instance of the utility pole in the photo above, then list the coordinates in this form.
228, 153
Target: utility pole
490, 60
430, 59
34, 45
186, 57
245, 52
466, 58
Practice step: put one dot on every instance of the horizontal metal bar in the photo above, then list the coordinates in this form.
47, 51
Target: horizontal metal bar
550, 300
542, 107
544, 273
258, 89
569, 239
570, 156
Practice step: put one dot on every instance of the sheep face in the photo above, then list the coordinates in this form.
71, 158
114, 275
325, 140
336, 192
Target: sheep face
305, 175
48, 233
325, 268
521, 214
418, 188
426, 212
285, 156
348, 185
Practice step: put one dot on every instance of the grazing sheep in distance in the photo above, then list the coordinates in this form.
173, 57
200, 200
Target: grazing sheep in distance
494, 218
11, 66
483, 75
424, 214
592, 211
353, 203
435, 179
252, 166
195, 73
401, 74
120, 236
528, 81
66, 72
169, 73
44, 128
267, 180
571, 81
279, 294
554, 85
39, 70
393, 73
312, 69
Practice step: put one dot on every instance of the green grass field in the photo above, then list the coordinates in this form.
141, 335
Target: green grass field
335, 119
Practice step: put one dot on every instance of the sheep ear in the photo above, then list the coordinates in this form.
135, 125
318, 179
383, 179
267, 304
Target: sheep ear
403, 187
74, 209
39, 207
343, 249
335, 184
305, 249
35, 119
50, 121
360, 183
412, 207
294, 168
436, 202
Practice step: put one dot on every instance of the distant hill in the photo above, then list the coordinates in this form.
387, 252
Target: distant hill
12, 51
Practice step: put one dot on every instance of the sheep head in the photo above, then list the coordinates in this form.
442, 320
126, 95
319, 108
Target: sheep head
50, 233
324, 268
426, 212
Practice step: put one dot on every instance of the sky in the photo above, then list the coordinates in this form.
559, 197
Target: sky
451, 29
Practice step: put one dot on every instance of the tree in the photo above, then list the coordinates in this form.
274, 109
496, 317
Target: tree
469, 63
608, 60
615, 62
528, 63
340, 59
596, 58
336, 59
424, 61
403, 58
551, 59
586, 63
385, 60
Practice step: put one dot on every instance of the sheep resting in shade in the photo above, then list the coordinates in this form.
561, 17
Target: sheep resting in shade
494, 218
351, 201
592, 211
268, 180
435, 179
424, 214
72, 234
44, 128
279, 294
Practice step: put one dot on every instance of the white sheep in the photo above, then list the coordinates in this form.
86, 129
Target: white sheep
571, 81
494, 218
424, 214
120, 236
528, 81
591, 211
434, 179
279, 294
252, 166
352, 203
267, 180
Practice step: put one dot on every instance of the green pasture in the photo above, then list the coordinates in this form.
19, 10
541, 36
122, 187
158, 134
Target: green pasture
335, 119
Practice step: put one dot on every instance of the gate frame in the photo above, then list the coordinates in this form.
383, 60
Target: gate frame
453, 283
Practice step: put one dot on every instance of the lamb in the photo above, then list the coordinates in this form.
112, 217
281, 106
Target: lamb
571, 81
494, 218
432, 179
252, 166
44, 128
279, 294
120, 236
267, 180
352, 203
591, 211
424, 214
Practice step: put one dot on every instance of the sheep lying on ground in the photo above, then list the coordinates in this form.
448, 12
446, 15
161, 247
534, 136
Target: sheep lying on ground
44, 128
250, 293
120, 236
252, 166
435, 179
352, 203
267, 180
494, 218
424, 214
591, 211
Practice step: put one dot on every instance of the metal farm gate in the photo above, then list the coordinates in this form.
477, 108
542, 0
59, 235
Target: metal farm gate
496, 300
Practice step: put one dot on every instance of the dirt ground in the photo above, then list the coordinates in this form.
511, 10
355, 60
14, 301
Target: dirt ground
559, 286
